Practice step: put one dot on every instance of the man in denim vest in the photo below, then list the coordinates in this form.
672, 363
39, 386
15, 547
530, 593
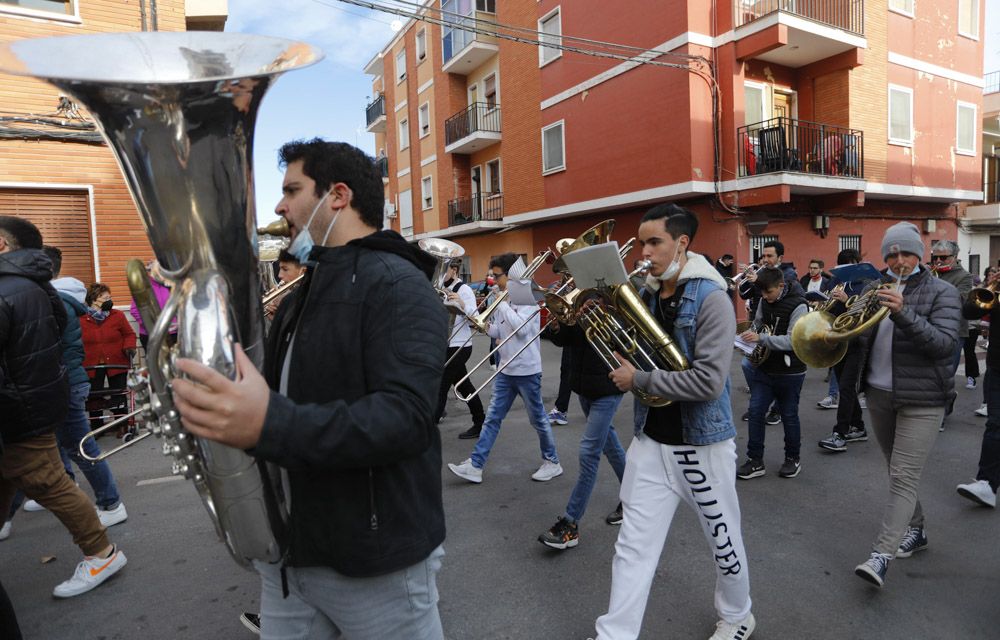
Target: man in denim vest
684, 452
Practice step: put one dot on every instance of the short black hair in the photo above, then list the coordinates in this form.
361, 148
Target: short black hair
778, 247
285, 256
20, 233
505, 261
677, 220
727, 256
55, 255
768, 278
330, 162
849, 256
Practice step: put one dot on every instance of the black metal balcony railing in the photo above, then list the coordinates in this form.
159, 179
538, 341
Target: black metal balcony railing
784, 144
376, 109
485, 206
848, 15
991, 82
383, 166
479, 116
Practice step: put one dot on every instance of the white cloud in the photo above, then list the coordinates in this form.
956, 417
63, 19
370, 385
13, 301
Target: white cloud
348, 35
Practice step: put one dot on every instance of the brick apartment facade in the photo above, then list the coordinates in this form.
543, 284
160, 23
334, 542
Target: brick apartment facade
836, 119
73, 190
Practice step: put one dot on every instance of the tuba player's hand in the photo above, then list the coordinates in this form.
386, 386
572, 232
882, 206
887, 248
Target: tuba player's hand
623, 376
213, 406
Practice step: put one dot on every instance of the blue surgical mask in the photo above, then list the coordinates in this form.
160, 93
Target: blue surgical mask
303, 242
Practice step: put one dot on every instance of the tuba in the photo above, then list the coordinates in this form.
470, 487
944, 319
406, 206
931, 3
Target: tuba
178, 112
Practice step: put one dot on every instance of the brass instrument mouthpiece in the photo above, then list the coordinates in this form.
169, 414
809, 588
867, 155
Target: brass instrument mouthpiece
277, 228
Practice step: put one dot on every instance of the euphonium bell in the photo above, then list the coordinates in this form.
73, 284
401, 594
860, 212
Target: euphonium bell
985, 297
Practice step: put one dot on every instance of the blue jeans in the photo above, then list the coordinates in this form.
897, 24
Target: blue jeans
834, 389
505, 388
599, 436
785, 389
73, 430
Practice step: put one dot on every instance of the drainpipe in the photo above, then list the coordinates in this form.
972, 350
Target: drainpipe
142, 13
152, 11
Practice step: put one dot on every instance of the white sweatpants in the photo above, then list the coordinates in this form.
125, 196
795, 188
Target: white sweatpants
657, 478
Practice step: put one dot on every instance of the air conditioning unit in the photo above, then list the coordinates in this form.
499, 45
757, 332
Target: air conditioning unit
390, 210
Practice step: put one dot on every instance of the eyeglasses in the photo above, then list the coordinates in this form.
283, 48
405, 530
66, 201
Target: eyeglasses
940, 258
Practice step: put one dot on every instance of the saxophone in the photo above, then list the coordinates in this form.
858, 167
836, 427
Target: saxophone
178, 112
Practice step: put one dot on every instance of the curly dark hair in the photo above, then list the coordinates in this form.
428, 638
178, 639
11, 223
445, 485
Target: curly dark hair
330, 162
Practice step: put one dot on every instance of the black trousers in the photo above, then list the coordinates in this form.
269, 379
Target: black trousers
989, 455
848, 372
971, 361
562, 398
8, 621
117, 403
452, 374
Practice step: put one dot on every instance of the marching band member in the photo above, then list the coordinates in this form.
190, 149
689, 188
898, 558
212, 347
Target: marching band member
684, 452
454, 371
908, 379
521, 376
353, 363
289, 268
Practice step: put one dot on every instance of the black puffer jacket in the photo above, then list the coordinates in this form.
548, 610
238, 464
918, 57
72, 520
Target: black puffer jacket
588, 375
356, 429
924, 339
34, 393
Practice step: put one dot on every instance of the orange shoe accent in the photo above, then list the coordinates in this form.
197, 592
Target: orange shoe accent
111, 558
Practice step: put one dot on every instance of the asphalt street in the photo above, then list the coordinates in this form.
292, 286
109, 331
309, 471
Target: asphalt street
804, 537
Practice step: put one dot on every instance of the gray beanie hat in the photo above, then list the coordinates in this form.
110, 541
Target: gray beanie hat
902, 236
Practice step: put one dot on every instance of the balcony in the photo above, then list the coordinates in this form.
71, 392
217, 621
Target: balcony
475, 209
383, 168
784, 144
472, 129
375, 115
463, 51
795, 33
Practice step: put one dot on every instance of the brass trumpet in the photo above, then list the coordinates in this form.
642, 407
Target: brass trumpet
738, 279
985, 297
282, 289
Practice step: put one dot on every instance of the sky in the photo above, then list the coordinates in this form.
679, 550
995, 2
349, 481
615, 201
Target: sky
328, 99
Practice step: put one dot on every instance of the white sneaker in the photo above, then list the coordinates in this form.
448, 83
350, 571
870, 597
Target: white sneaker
90, 573
981, 411
467, 471
829, 402
970, 383
5, 530
111, 517
734, 630
31, 505
979, 491
547, 471
861, 401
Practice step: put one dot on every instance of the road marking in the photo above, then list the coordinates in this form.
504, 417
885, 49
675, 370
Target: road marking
159, 480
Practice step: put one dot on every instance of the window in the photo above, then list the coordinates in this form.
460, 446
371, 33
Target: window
404, 134
486, 6
493, 176
849, 242
968, 18
900, 115
424, 119
490, 91
401, 66
553, 148
757, 246
427, 192
965, 135
421, 45
754, 102
406, 212
63, 7
551, 32
902, 6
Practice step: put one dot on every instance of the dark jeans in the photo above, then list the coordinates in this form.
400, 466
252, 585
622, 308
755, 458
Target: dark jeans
989, 456
117, 401
562, 398
452, 374
971, 361
848, 370
764, 388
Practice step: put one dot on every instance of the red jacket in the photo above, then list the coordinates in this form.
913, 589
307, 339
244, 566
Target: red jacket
106, 342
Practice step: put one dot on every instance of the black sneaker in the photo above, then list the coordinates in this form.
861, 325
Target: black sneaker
874, 568
746, 416
251, 621
790, 468
913, 541
856, 434
472, 433
752, 468
615, 517
563, 535
773, 417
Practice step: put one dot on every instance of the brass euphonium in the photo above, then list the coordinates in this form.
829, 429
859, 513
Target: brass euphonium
178, 112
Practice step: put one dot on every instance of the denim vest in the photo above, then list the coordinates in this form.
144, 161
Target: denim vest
701, 422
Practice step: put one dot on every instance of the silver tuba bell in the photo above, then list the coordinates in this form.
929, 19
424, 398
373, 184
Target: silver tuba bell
178, 112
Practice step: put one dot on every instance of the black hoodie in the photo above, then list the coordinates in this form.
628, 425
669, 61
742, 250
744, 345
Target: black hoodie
34, 393
355, 428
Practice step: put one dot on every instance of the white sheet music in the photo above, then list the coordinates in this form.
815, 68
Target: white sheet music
597, 264
744, 346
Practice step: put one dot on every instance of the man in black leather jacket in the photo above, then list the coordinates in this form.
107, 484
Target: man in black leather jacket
353, 362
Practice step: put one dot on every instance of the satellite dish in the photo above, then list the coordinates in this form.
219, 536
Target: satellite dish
396, 25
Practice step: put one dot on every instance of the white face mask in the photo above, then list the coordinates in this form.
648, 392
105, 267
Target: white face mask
653, 282
303, 242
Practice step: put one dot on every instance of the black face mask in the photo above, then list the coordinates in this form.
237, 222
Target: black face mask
107, 305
